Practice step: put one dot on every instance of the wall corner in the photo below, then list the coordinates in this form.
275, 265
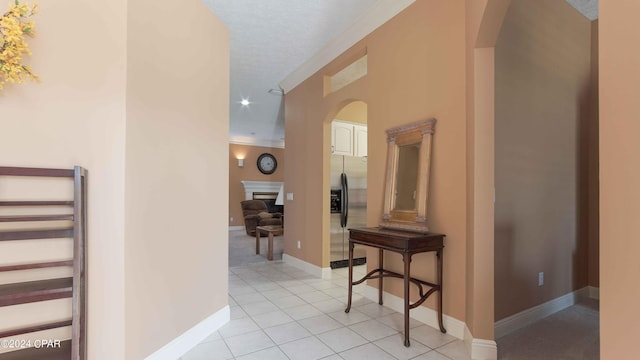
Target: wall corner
480, 349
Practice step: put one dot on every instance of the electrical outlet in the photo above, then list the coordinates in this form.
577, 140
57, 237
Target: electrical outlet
540, 278
298, 244
231, 218
290, 196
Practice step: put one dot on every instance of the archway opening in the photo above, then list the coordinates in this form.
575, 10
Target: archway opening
347, 182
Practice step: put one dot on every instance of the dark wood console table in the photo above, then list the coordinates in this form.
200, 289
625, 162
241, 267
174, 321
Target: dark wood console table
407, 244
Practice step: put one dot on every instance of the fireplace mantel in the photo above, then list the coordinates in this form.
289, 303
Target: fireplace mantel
259, 186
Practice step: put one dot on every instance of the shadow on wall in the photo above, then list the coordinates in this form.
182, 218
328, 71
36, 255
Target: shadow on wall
581, 256
508, 272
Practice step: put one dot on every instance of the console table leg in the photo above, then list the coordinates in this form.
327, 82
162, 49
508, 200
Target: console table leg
350, 277
439, 257
407, 276
380, 267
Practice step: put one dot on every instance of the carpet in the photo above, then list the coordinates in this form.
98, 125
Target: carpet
573, 333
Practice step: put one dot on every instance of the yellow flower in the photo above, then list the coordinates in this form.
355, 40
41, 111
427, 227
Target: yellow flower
14, 25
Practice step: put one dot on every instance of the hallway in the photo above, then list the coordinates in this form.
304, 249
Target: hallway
281, 312
286, 309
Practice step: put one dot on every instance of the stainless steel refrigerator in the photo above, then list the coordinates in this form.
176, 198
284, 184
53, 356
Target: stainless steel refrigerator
348, 207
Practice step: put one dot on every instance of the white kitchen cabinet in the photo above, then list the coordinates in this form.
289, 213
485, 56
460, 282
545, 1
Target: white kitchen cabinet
341, 138
360, 140
348, 139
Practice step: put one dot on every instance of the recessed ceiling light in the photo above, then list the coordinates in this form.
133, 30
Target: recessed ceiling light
245, 102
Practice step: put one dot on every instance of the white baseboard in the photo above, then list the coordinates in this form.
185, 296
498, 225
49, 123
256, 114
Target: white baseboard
529, 316
480, 349
594, 292
236, 228
192, 337
324, 273
423, 314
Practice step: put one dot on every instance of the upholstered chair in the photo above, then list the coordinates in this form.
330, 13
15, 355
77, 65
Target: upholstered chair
255, 214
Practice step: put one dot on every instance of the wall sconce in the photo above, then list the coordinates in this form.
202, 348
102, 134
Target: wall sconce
240, 163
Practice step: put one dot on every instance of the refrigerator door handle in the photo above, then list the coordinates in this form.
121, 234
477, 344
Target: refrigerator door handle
344, 216
342, 200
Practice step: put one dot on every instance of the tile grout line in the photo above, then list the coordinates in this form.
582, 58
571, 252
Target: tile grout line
275, 277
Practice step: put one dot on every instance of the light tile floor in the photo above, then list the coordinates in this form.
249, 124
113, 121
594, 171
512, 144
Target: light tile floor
281, 312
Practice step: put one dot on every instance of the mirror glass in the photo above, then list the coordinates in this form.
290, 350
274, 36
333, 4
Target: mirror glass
407, 177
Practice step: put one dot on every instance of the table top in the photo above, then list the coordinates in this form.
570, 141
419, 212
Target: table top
273, 228
397, 240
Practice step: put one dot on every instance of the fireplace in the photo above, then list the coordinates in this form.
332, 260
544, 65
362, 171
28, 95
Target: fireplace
266, 191
269, 198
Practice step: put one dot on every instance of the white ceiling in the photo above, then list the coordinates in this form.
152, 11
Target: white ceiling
272, 42
588, 8
269, 40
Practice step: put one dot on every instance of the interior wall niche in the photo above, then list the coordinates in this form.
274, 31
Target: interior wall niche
542, 87
348, 74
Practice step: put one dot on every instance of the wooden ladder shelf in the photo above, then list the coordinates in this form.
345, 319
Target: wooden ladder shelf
50, 289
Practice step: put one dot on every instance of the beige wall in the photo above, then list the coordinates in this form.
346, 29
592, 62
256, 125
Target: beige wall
76, 115
87, 112
416, 70
248, 172
593, 176
483, 22
619, 179
176, 162
480, 185
543, 79
354, 112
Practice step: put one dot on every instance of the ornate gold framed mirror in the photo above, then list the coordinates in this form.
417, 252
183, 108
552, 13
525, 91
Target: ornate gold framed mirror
407, 178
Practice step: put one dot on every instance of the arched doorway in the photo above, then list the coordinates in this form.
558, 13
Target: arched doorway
347, 181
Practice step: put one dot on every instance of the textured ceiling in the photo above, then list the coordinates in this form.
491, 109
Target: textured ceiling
272, 38
269, 40
588, 8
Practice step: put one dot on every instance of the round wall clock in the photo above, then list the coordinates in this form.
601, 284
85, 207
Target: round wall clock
267, 163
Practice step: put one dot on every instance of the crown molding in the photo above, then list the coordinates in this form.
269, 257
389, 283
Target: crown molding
380, 13
241, 140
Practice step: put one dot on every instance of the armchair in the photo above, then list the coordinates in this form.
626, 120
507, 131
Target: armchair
255, 214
